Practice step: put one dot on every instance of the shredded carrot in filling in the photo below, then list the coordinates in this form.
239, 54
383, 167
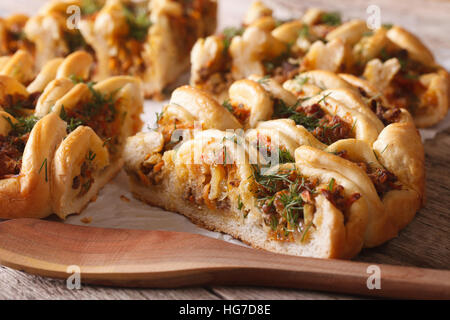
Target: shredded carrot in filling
286, 200
198, 190
168, 127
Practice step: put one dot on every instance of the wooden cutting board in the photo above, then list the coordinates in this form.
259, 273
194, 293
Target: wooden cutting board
163, 259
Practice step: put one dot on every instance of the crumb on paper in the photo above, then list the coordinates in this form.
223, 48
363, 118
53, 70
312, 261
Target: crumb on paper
86, 220
124, 198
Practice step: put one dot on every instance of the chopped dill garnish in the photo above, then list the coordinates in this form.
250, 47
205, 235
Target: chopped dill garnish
240, 203
90, 7
138, 23
284, 156
227, 105
44, 165
284, 111
23, 125
228, 34
304, 32
331, 184
331, 18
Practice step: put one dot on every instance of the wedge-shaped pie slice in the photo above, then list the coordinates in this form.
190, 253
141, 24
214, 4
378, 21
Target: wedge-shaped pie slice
293, 208
93, 119
27, 150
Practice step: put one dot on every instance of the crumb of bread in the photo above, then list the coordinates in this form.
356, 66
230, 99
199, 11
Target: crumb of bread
86, 220
124, 198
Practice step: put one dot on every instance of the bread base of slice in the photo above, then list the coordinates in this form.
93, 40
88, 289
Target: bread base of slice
227, 221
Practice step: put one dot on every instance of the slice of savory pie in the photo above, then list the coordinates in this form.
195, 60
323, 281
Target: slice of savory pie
58, 151
390, 59
319, 176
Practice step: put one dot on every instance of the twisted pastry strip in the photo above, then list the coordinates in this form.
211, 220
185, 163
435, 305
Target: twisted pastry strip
28, 193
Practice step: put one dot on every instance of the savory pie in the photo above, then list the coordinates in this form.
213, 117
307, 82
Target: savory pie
390, 59
147, 39
322, 176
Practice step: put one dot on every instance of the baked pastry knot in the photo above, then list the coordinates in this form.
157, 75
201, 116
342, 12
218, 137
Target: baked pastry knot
28, 147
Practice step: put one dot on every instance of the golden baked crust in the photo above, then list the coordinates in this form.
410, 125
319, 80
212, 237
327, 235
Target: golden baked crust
28, 193
391, 59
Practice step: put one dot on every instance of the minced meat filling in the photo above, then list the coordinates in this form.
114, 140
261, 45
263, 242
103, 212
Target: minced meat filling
13, 145
285, 71
16, 39
386, 115
286, 200
335, 195
325, 127
404, 92
18, 105
11, 151
383, 180
332, 129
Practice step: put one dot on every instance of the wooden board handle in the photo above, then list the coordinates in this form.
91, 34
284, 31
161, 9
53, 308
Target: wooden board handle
163, 259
